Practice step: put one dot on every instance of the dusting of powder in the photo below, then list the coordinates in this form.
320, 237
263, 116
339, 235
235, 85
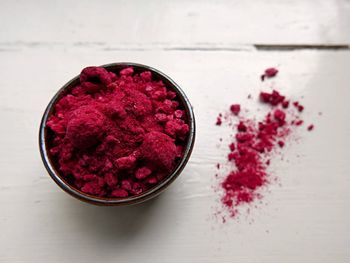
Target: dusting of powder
254, 143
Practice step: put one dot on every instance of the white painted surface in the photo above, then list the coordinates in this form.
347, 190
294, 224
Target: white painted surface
182, 23
306, 219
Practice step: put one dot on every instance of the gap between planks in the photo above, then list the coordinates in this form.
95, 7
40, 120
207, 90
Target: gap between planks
104, 46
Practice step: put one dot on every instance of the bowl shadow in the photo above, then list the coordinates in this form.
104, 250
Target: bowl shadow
114, 224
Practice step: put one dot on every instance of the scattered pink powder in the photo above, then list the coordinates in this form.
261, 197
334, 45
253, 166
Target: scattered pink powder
298, 122
235, 109
298, 106
218, 121
281, 144
254, 142
269, 73
285, 104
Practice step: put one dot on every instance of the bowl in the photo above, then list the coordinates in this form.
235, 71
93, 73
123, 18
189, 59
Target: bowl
152, 192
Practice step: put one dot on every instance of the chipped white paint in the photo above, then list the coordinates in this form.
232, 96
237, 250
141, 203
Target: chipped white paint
306, 219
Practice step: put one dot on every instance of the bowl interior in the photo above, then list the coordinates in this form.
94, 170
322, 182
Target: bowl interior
45, 134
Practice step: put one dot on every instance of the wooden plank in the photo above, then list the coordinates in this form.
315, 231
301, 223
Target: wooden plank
305, 219
184, 24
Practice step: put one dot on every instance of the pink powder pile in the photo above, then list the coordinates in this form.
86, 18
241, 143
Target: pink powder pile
254, 142
117, 134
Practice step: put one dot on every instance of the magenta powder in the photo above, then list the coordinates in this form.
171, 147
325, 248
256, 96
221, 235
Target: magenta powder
253, 143
117, 134
269, 73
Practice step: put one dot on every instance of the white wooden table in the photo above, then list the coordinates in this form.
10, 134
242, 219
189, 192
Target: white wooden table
215, 50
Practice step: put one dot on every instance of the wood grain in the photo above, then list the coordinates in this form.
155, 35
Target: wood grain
208, 49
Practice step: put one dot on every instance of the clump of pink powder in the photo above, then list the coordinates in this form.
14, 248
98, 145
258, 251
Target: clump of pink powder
117, 134
269, 73
253, 143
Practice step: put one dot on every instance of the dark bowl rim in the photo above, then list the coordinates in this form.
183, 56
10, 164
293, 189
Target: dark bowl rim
132, 199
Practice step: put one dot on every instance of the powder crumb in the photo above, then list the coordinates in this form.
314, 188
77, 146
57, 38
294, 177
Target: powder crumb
142, 173
235, 109
285, 104
120, 193
269, 73
280, 116
218, 121
273, 98
310, 127
297, 105
241, 127
281, 144
298, 122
